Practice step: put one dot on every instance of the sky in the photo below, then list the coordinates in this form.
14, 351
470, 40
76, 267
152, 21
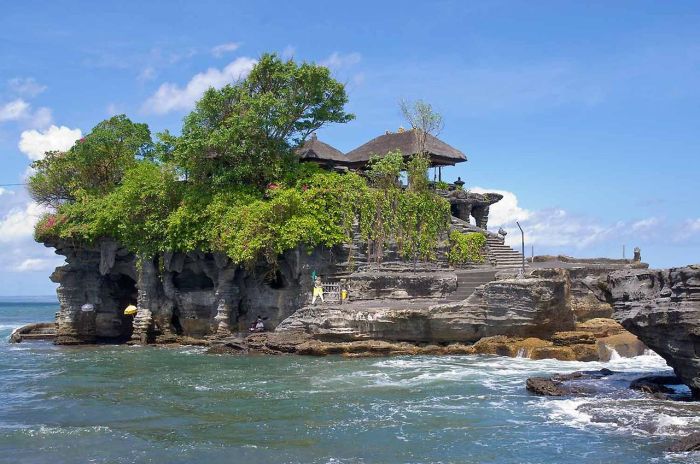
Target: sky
584, 115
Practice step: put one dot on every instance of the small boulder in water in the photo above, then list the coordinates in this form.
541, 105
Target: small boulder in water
656, 384
561, 384
685, 444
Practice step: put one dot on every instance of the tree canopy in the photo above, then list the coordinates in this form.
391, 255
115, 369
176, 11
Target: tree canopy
94, 165
231, 183
245, 132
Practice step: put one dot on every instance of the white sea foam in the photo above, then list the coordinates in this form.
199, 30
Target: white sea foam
12, 326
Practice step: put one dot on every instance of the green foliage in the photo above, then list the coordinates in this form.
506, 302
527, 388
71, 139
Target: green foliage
466, 248
94, 165
231, 183
414, 219
384, 171
417, 170
244, 133
442, 185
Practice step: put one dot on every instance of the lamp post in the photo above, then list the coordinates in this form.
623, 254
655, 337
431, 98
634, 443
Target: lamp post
522, 241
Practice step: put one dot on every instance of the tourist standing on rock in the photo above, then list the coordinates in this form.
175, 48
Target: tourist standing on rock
343, 291
317, 291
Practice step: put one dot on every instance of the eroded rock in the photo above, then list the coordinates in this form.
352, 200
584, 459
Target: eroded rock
662, 308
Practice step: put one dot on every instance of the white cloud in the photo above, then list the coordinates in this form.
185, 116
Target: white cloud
337, 60
19, 223
20, 110
688, 230
556, 228
25, 86
645, 225
35, 264
15, 110
35, 143
506, 211
222, 49
171, 97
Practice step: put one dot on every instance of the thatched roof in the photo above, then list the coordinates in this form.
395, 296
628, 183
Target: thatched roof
315, 150
441, 154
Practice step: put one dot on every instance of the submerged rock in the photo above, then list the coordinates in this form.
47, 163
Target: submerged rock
564, 384
686, 444
656, 384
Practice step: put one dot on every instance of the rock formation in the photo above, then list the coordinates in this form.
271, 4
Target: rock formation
187, 294
662, 307
534, 307
199, 297
465, 204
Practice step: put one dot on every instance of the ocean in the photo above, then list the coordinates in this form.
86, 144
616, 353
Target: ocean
120, 404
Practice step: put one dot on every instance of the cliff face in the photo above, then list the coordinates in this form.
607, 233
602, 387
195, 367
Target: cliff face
532, 307
206, 296
192, 294
203, 294
662, 307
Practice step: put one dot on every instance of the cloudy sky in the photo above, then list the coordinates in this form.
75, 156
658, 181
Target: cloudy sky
584, 115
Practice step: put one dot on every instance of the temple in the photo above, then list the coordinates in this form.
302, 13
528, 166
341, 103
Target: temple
464, 204
405, 141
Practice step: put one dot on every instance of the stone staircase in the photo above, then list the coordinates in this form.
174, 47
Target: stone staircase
498, 254
469, 279
501, 255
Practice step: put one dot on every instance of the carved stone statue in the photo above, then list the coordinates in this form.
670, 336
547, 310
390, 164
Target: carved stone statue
637, 255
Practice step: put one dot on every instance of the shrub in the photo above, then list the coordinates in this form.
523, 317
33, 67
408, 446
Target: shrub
466, 248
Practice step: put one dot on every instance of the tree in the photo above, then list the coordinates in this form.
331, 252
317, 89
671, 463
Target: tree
244, 133
95, 165
424, 122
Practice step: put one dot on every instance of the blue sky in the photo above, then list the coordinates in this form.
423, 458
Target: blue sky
585, 114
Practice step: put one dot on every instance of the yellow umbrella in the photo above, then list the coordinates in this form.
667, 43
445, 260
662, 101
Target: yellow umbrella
130, 310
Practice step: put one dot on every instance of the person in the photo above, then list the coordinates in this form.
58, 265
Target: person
343, 291
258, 325
317, 291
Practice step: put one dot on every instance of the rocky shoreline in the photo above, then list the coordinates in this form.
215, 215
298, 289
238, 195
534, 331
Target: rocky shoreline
560, 308
588, 384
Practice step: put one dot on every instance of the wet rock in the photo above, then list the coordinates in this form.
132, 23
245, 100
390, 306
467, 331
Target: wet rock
229, 346
662, 308
564, 384
686, 444
656, 384
36, 331
624, 344
546, 387
508, 346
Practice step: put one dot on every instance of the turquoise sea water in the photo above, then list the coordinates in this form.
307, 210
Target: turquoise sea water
118, 404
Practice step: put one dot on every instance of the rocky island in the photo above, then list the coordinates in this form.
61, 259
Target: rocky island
233, 221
